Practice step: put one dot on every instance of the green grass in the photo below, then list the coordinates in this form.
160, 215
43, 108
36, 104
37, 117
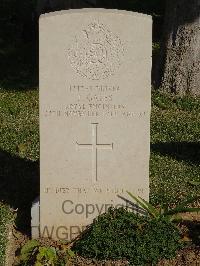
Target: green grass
19, 120
5, 219
175, 148
19, 152
175, 152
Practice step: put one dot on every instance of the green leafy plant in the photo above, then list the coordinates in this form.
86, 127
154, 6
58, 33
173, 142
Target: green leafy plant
165, 211
70, 254
34, 254
120, 234
28, 252
46, 256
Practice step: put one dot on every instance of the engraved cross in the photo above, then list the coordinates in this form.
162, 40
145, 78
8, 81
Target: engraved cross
95, 146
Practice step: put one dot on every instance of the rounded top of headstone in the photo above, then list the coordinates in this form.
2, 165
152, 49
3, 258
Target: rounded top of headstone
96, 10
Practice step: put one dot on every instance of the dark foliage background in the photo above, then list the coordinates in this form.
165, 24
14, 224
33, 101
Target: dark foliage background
19, 35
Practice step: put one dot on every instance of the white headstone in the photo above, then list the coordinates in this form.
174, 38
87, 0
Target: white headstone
95, 87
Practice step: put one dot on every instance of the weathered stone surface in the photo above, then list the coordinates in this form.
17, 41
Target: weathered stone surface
95, 87
35, 218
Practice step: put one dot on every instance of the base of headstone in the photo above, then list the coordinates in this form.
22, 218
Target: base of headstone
35, 218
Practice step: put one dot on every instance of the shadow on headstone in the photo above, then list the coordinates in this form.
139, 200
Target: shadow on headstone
19, 186
181, 151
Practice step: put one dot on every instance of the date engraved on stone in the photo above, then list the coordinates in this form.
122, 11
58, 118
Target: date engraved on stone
97, 52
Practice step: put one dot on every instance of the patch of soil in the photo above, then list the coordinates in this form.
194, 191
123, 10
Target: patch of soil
15, 241
186, 257
79, 261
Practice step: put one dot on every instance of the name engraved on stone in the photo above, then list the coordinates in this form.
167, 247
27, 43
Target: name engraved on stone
95, 146
94, 88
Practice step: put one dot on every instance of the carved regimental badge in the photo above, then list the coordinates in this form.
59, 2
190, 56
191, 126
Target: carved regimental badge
97, 53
